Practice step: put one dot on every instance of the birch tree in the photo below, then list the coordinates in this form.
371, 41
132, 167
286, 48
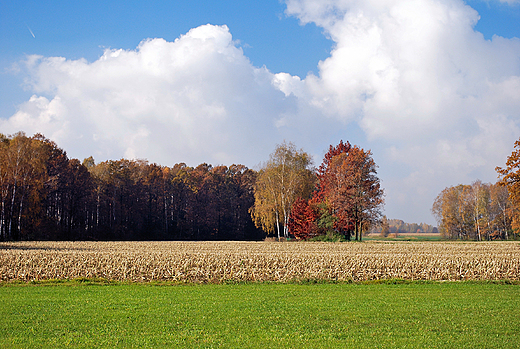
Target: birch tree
480, 211
284, 178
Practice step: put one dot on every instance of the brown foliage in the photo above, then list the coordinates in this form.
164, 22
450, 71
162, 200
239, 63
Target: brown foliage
479, 211
511, 179
347, 182
44, 195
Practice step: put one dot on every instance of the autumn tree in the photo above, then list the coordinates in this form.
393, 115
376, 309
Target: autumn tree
479, 211
4, 185
385, 227
510, 178
46, 195
323, 171
302, 222
348, 183
22, 176
41, 190
453, 213
284, 178
502, 211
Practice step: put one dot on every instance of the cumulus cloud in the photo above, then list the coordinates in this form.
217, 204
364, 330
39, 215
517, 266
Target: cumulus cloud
426, 88
411, 79
197, 99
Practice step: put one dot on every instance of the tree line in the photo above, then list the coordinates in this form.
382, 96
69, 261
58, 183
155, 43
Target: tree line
398, 226
473, 212
482, 211
44, 195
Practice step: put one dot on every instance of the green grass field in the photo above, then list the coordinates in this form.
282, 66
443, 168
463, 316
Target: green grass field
261, 315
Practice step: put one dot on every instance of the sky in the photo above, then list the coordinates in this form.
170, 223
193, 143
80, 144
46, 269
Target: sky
431, 87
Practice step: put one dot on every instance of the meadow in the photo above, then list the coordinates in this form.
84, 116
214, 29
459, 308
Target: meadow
261, 315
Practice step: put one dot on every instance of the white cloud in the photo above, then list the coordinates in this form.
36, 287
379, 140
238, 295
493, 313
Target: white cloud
197, 99
423, 85
411, 79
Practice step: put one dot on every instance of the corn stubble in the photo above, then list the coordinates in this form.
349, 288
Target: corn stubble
218, 262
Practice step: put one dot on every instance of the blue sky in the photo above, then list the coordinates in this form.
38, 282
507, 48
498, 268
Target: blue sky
83, 29
432, 94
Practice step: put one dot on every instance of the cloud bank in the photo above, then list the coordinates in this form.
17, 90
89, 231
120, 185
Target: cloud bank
436, 102
197, 99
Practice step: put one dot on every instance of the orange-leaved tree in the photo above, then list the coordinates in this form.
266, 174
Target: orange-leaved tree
348, 184
511, 179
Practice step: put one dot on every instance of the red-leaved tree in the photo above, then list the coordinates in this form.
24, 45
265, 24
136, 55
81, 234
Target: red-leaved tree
302, 222
348, 184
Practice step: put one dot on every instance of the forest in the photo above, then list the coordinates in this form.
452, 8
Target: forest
44, 195
47, 196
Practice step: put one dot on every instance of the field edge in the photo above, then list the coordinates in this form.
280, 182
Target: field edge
106, 282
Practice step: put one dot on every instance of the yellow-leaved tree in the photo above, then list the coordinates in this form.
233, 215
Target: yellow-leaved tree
285, 177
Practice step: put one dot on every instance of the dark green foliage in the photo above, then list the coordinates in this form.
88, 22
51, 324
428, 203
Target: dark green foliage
330, 236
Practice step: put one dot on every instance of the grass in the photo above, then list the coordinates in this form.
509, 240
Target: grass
261, 315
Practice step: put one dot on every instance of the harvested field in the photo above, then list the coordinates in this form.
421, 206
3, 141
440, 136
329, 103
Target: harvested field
216, 262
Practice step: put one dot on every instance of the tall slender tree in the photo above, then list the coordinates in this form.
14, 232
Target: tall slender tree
285, 177
501, 208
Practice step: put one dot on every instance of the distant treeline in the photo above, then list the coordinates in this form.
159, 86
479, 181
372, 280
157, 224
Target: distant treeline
44, 195
480, 211
398, 226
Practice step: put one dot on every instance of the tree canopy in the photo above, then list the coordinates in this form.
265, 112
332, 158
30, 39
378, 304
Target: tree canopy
473, 212
347, 198
281, 181
511, 180
44, 195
